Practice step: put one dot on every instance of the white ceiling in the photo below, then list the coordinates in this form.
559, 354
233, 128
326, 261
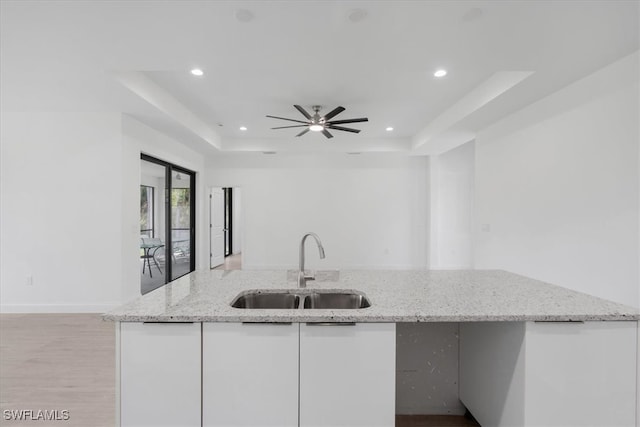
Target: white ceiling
135, 56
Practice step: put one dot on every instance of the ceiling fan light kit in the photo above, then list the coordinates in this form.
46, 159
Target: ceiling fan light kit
317, 123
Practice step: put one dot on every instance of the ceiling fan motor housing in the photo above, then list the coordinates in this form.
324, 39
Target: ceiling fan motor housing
317, 123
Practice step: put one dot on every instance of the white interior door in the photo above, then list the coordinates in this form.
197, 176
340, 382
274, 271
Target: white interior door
216, 226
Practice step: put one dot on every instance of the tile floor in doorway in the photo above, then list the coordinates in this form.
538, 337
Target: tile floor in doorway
232, 262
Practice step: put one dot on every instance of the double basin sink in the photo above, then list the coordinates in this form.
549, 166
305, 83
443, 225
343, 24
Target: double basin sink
307, 299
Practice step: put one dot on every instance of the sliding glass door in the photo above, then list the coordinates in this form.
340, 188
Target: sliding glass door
182, 220
167, 222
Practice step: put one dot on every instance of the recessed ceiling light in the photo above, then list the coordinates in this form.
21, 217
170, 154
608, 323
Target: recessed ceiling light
244, 15
357, 15
243, 128
197, 72
440, 73
472, 14
389, 129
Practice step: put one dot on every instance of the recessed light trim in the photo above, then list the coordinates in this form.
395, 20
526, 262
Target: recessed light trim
244, 15
472, 14
243, 128
389, 129
197, 72
440, 73
357, 15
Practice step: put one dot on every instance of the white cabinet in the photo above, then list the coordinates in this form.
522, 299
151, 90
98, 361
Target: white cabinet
250, 374
347, 375
160, 374
272, 374
549, 373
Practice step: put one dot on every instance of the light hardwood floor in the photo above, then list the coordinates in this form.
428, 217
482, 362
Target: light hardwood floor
58, 362
67, 362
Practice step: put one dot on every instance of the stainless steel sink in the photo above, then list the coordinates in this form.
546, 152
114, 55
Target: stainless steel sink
267, 300
336, 301
313, 299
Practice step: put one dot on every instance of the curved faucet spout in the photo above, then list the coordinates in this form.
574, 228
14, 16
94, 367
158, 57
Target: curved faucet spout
302, 279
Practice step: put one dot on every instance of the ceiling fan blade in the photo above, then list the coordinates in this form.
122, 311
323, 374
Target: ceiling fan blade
294, 126
291, 120
333, 113
343, 128
303, 111
339, 122
303, 132
326, 133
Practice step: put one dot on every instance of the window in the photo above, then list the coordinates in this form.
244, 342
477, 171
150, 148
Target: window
146, 211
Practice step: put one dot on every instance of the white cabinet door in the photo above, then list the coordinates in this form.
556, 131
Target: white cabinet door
491, 383
250, 374
347, 375
549, 374
160, 377
581, 374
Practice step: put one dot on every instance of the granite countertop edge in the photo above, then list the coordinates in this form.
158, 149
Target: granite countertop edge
319, 318
396, 297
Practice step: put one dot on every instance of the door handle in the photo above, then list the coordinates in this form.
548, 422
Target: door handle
331, 323
267, 323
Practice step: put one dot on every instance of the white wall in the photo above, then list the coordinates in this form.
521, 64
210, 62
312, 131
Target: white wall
371, 211
70, 189
557, 187
60, 192
452, 193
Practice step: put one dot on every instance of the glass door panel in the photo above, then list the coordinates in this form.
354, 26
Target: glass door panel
153, 269
182, 210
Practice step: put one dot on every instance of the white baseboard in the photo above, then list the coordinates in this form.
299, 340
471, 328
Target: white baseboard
451, 267
57, 308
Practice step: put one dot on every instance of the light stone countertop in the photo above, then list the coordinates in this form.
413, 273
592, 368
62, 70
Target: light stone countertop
396, 296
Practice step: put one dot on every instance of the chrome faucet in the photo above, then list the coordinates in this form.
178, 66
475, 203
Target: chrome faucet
302, 279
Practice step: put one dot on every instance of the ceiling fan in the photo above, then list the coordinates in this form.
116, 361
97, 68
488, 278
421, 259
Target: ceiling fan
317, 123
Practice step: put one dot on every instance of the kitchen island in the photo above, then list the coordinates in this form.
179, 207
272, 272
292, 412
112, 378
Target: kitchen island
531, 353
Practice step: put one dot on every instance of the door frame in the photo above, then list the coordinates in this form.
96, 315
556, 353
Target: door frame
228, 220
211, 228
169, 169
